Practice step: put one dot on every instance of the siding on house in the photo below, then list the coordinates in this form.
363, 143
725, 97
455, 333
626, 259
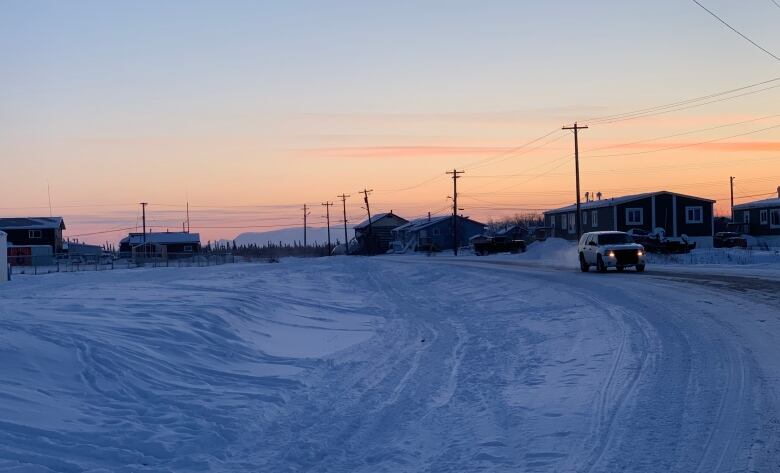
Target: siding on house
770, 208
436, 233
35, 231
382, 226
661, 209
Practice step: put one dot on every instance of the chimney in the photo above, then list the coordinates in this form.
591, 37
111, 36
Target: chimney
598, 195
587, 197
778, 192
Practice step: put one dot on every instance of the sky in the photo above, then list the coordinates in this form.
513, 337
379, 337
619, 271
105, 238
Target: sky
249, 109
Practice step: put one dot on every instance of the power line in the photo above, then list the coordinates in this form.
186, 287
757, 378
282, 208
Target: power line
662, 108
686, 145
735, 30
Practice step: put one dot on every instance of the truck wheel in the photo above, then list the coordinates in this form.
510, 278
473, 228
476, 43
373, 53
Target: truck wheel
584, 267
640, 268
600, 266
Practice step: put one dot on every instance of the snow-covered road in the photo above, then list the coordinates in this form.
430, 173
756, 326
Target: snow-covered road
389, 364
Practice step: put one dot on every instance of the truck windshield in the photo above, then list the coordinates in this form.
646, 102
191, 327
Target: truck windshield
615, 239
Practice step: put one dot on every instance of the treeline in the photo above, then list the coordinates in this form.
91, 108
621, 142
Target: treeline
269, 250
528, 221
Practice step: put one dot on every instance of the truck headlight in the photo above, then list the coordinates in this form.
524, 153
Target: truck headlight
611, 254
640, 253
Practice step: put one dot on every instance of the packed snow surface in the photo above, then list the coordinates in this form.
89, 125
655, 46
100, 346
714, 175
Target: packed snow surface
389, 364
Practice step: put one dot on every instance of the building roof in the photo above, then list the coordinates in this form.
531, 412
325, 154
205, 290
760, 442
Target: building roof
376, 218
163, 238
33, 223
596, 204
420, 223
775, 202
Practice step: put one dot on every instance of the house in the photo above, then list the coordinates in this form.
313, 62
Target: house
434, 233
34, 231
375, 236
677, 214
4, 268
82, 251
760, 217
164, 244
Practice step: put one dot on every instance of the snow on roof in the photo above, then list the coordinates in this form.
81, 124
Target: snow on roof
421, 223
759, 204
23, 223
596, 204
162, 238
375, 218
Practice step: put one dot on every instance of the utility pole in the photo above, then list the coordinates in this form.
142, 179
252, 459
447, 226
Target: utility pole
305, 215
343, 198
188, 216
327, 219
368, 240
576, 128
143, 217
731, 183
455, 176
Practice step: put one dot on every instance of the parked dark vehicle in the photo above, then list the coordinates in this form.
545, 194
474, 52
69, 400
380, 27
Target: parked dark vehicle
658, 243
729, 240
498, 244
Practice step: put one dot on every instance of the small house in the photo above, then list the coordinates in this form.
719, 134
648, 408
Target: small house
677, 214
34, 231
435, 233
162, 244
374, 236
760, 217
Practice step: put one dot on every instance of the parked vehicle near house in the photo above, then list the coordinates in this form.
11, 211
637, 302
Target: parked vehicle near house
729, 240
658, 242
497, 244
610, 250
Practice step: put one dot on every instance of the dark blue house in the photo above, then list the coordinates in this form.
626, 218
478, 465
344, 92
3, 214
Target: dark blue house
677, 214
759, 218
434, 233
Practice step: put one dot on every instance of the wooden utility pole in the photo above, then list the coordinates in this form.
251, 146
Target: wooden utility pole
327, 219
343, 198
455, 176
731, 184
305, 215
143, 218
576, 128
365, 193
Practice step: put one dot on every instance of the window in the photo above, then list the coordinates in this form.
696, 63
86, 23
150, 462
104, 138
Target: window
594, 218
746, 216
34, 233
187, 248
584, 217
694, 214
564, 223
572, 223
552, 221
634, 216
764, 217
774, 218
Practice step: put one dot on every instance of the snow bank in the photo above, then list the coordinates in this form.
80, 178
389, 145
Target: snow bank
160, 369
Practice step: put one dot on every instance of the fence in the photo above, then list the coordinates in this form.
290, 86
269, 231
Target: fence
34, 265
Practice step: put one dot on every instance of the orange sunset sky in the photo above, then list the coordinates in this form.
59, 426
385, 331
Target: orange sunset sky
248, 110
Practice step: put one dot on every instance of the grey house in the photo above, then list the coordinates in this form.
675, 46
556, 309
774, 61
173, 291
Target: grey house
759, 218
677, 214
435, 233
375, 236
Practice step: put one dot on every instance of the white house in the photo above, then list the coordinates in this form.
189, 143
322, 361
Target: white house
3, 257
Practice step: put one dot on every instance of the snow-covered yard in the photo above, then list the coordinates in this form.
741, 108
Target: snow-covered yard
389, 364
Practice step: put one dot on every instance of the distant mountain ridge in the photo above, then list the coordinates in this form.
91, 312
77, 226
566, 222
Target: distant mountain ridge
290, 236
